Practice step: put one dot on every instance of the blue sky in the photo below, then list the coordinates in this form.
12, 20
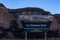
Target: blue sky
49, 5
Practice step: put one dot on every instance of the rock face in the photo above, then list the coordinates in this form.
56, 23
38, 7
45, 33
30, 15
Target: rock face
7, 15
30, 11
2, 6
57, 16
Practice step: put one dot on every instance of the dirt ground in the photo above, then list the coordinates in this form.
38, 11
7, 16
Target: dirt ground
28, 39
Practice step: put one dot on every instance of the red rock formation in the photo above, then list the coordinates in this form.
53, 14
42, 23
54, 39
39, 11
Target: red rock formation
7, 15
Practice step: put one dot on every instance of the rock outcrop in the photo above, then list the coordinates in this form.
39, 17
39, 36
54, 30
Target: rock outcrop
7, 15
